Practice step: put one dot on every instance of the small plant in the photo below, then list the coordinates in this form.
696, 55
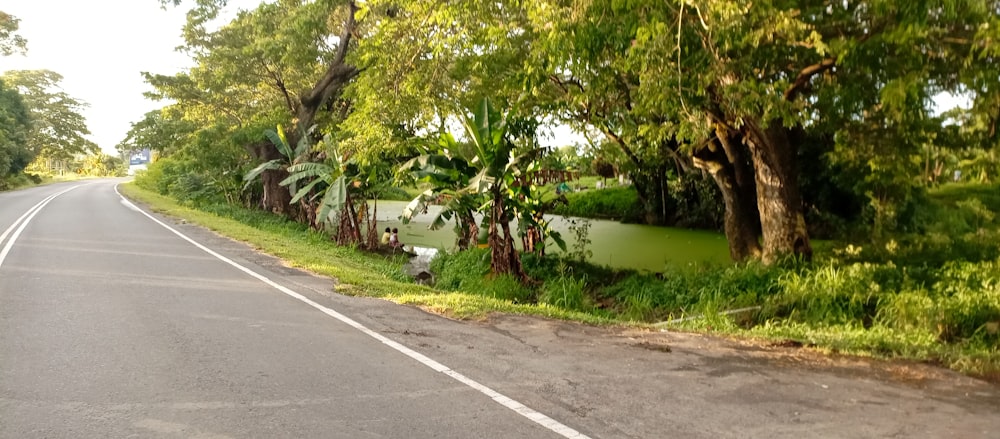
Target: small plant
565, 291
580, 228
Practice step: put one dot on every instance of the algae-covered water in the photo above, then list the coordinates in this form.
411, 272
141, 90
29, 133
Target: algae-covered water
612, 243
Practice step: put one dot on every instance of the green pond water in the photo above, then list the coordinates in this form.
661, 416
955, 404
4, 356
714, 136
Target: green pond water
614, 244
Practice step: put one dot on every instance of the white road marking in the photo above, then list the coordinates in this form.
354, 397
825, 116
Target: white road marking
23, 221
525, 411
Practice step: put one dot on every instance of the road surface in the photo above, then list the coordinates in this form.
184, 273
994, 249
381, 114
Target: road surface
118, 323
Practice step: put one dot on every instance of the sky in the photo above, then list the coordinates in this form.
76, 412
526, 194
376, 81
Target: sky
100, 48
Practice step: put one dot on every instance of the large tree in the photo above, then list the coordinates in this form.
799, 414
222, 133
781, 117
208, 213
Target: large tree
163, 131
281, 62
15, 125
740, 85
58, 130
426, 62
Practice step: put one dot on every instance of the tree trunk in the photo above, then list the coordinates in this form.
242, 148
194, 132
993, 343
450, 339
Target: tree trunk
504, 258
468, 232
778, 200
276, 198
651, 185
742, 222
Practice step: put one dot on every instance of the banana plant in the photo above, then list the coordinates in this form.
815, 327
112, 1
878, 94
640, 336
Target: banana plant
324, 185
448, 175
290, 155
340, 188
494, 177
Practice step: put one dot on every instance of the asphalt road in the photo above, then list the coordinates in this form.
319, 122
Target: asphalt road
112, 325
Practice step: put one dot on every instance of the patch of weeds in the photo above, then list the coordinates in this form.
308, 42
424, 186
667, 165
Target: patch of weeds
565, 291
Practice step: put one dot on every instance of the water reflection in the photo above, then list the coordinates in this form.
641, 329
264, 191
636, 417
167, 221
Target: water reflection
612, 243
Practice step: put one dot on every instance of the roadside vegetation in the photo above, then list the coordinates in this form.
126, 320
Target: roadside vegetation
926, 297
859, 216
42, 131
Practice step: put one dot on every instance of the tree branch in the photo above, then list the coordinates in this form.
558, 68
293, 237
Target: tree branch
621, 143
338, 72
280, 85
805, 75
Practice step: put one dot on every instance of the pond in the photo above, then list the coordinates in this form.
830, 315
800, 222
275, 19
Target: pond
614, 244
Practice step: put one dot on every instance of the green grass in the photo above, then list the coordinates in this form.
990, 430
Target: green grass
357, 273
952, 194
24, 181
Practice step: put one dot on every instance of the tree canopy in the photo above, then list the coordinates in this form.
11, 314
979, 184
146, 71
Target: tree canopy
795, 109
15, 125
58, 128
10, 41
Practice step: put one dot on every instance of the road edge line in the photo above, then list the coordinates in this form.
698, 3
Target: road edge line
23, 221
510, 403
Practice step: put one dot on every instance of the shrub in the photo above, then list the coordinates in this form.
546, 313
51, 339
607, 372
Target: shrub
395, 194
468, 271
457, 271
636, 297
828, 295
193, 189
967, 301
17, 180
618, 203
694, 202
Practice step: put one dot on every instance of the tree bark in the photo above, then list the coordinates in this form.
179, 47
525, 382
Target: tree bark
504, 258
727, 165
276, 198
783, 224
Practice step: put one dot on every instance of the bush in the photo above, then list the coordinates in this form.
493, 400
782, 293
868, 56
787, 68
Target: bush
694, 202
188, 183
830, 294
565, 291
968, 301
157, 176
396, 194
18, 180
455, 271
616, 203
468, 271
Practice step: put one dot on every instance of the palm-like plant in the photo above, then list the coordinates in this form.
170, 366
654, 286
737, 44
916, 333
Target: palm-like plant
338, 189
449, 176
491, 178
289, 156
326, 186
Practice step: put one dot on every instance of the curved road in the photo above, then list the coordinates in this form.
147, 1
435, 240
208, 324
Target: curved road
118, 323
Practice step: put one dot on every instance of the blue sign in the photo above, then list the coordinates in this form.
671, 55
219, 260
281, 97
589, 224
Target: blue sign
139, 157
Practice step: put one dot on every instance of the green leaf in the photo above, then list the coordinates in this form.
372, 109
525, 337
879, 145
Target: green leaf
416, 206
277, 138
269, 165
305, 190
334, 200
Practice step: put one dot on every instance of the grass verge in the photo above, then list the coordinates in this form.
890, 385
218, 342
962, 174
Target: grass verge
357, 273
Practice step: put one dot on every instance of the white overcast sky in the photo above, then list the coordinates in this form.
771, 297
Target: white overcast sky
100, 47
